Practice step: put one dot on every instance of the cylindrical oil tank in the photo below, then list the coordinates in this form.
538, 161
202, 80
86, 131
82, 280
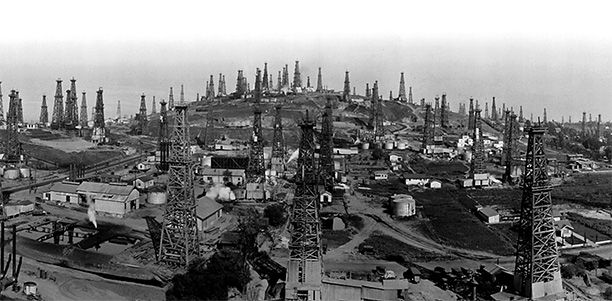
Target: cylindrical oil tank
157, 197
11, 174
389, 145
30, 288
401, 145
24, 172
401, 207
365, 145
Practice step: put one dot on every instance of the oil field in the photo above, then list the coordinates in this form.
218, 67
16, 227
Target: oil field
301, 179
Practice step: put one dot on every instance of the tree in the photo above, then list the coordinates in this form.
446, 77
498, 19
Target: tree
275, 214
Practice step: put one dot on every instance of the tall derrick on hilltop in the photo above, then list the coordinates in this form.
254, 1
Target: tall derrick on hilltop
265, 85
402, 89
255, 172
368, 92
83, 120
210, 90
179, 240
279, 82
537, 271
471, 116
44, 113
304, 269
142, 116
297, 78
286, 76
278, 143
410, 101
12, 146
478, 156
153, 106
57, 120
74, 102
379, 130
99, 130
319, 82
220, 87
444, 112
171, 100
428, 129
327, 147
493, 110
346, 92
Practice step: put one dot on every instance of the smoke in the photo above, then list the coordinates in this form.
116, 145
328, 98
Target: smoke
220, 192
294, 156
91, 211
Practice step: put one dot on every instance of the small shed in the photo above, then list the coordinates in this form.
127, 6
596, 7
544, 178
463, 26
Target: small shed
325, 198
413, 275
435, 184
489, 215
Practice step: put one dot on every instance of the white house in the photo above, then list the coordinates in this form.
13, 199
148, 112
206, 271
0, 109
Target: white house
62, 192
325, 198
435, 184
143, 166
395, 158
488, 215
144, 182
208, 211
563, 229
114, 199
416, 179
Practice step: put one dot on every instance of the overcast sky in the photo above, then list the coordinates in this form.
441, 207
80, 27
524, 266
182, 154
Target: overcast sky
549, 54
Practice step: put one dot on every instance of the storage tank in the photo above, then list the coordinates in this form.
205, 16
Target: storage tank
389, 145
401, 207
365, 145
24, 172
11, 174
401, 145
157, 195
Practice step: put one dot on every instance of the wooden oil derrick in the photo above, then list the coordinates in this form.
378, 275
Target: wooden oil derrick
57, 119
346, 92
255, 172
163, 142
278, 143
83, 120
319, 82
12, 146
402, 89
327, 170
44, 113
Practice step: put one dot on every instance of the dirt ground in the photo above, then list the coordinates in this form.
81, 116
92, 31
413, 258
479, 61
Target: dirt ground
68, 145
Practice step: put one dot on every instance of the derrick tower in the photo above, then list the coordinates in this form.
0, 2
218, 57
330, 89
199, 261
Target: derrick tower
297, 77
179, 239
163, 142
286, 76
304, 269
598, 129
171, 100
436, 110
537, 272
428, 129
379, 130
255, 172
494, 116
83, 118
12, 146
545, 120
279, 81
153, 106
241, 85
319, 82
142, 116
410, 95
444, 112
478, 156
511, 152
44, 113
224, 86
471, 116
57, 120
347, 87
584, 134
72, 110
210, 89
368, 92
118, 109
99, 131
402, 89
265, 85
182, 95
220, 88
19, 109
521, 119
2, 120
278, 143
327, 147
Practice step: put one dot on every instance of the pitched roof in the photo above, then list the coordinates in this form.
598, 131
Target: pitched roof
207, 207
105, 188
488, 211
67, 187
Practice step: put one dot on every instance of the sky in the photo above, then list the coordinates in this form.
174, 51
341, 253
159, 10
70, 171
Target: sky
545, 54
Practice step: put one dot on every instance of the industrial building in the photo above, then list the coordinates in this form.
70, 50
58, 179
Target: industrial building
222, 175
208, 211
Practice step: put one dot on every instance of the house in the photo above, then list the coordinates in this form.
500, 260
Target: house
381, 175
325, 198
435, 184
563, 229
13, 209
113, 199
62, 192
144, 182
223, 175
143, 166
488, 215
395, 158
255, 191
416, 179
208, 211
413, 275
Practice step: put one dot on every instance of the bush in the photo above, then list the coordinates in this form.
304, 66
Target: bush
571, 270
275, 214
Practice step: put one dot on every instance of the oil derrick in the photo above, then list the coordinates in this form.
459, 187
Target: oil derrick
99, 131
503, 111
511, 151
182, 95
224, 86
598, 129
179, 241
347, 88
19, 109
83, 118
569, 119
255, 172
368, 92
402, 89
478, 160
220, 88
537, 272
286, 76
319, 82
279, 82
471, 116
379, 130
171, 100
444, 112
304, 270
505, 132
210, 90
436, 110
118, 109
390, 95
545, 120
486, 110
297, 77
12, 146
307, 81
44, 113
410, 95
494, 116
278, 143
327, 147
153, 106
521, 114
57, 120
265, 85
241, 88
428, 128
584, 125
2, 120
163, 142
74, 103
422, 102
142, 116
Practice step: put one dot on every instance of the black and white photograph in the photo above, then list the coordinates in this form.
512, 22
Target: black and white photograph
306, 150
